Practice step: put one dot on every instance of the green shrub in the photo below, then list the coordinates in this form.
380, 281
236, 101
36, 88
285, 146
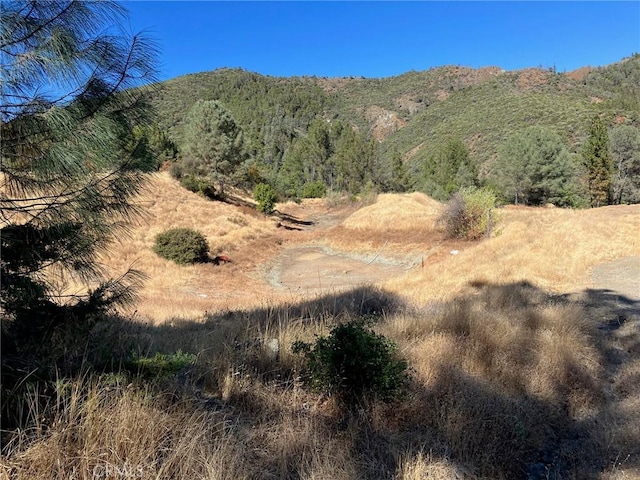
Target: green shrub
266, 197
353, 363
182, 245
369, 194
313, 190
198, 185
176, 170
469, 214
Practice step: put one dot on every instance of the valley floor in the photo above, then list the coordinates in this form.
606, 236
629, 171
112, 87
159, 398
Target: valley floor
524, 348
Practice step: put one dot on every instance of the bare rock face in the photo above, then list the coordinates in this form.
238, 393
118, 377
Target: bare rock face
383, 122
410, 103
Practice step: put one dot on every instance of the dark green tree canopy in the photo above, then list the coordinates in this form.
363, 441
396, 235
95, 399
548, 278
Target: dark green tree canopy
449, 169
399, 174
596, 159
535, 167
624, 142
214, 143
330, 154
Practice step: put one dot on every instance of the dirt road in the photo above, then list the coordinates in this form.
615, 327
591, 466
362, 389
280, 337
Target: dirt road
317, 268
621, 276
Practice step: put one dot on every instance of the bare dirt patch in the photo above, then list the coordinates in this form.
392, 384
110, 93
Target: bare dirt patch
621, 276
317, 269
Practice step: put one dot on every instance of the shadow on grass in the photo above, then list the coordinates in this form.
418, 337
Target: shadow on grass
285, 217
478, 410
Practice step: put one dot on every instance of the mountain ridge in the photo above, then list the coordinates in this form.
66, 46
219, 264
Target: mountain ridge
415, 112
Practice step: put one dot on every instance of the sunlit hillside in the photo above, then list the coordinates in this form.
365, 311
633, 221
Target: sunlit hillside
510, 378
234, 276
555, 249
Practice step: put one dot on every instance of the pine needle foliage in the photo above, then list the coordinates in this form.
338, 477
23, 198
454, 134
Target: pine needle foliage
534, 167
73, 86
597, 160
624, 142
214, 142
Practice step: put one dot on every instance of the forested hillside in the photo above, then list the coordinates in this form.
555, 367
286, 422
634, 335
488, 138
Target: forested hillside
307, 135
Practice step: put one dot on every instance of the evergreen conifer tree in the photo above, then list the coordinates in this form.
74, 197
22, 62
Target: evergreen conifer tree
399, 181
72, 88
624, 141
214, 143
449, 169
599, 166
535, 167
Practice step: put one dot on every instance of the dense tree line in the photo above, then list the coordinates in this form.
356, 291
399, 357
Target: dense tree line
449, 169
624, 142
534, 167
272, 112
306, 136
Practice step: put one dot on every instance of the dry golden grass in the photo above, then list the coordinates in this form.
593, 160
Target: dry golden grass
113, 431
172, 290
502, 368
495, 376
553, 248
421, 466
396, 212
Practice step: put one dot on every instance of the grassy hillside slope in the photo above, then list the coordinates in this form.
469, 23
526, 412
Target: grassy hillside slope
510, 376
554, 249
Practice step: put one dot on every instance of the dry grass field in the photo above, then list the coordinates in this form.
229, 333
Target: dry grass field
520, 368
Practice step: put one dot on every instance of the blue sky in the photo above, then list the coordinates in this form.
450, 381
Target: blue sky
381, 39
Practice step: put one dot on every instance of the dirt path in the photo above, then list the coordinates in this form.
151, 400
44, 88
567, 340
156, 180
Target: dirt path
316, 268
313, 267
621, 276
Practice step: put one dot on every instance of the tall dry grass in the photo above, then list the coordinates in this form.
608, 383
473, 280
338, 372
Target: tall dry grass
500, 378
104, 429
171, 290
506, 373
553, 248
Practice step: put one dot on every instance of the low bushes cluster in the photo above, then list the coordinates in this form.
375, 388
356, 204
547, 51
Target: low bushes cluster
198, 185
182, 245
470, 214
160, 364
313, 190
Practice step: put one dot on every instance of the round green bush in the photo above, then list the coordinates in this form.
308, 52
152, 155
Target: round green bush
182, 245
353, 362
470, 214
266, 197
